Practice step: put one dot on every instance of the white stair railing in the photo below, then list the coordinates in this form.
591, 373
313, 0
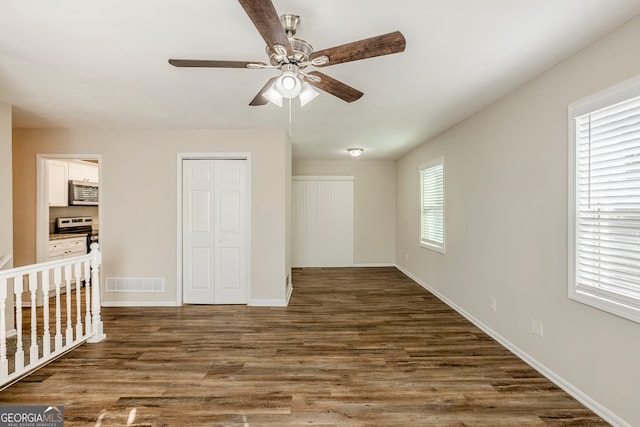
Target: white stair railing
28, 295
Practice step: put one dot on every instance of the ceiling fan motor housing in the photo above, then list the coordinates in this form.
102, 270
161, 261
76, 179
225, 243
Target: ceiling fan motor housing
301, 49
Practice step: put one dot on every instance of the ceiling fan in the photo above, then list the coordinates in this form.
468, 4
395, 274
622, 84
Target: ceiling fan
292, 56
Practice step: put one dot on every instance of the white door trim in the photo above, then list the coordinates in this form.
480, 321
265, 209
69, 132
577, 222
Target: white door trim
210, 156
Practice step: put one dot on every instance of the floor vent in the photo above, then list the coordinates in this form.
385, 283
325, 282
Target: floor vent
135, 284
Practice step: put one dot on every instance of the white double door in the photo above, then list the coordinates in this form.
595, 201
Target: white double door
215, 230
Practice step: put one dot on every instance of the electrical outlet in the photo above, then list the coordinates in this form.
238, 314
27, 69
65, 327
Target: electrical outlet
536, 327
492, 303
406, 257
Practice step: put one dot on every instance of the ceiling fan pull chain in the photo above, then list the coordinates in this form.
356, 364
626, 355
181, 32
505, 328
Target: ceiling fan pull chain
290, 118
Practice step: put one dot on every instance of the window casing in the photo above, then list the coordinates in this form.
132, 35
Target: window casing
432, 230
604, 202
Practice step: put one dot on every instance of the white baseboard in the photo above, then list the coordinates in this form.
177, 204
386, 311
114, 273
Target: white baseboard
140, 304
374, 264
289, 292
256, 302
558, 380
364, 264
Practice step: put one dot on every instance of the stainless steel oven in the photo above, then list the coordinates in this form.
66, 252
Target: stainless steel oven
79, 225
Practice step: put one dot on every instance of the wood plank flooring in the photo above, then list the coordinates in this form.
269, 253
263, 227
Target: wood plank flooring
355, 347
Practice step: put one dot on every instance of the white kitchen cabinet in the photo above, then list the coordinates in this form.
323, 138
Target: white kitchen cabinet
58, 180
65, 248
59, 173
83, 171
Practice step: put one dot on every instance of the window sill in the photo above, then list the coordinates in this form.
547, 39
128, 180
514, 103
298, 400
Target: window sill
622, 309
433, 247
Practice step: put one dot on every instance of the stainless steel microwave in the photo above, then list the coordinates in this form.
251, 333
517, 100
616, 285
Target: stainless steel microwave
83, 193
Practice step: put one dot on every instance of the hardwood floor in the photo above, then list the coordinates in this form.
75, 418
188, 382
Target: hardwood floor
355, 347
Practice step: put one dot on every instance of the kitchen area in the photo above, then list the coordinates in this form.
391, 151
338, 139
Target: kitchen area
73, 206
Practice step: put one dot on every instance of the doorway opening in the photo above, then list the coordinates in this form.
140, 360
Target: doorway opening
55, 176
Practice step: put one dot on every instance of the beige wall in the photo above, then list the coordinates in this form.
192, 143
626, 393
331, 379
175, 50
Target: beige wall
6, 207
506, 228
374, 207
288, 213
138, 223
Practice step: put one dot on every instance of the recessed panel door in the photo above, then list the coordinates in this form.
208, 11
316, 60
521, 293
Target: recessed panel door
214, 232
230, 201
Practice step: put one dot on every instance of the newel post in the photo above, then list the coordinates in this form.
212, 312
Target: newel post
96, 322
4, 362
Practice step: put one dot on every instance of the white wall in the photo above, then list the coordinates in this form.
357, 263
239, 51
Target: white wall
506, 228
374, 207
138, 226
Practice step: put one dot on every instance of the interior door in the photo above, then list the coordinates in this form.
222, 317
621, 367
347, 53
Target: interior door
322, 221
214, 232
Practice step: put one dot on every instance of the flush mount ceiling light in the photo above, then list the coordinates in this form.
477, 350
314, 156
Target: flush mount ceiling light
355, 152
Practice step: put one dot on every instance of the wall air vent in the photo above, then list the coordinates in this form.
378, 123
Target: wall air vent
135, 284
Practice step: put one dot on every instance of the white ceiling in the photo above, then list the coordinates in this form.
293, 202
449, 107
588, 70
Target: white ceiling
103, 64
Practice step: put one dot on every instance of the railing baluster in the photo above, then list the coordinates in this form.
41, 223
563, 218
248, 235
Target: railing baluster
33, 288
4, 362
87, 295
46, 336
18, 288
67, 280
57, 280
78, 278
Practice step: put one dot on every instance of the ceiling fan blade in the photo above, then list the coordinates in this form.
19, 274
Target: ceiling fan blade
212, 64
260, 99
335, 87
368, 48
265, 18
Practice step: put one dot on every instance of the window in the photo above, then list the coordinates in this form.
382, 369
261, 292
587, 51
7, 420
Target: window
604, 213
432, 205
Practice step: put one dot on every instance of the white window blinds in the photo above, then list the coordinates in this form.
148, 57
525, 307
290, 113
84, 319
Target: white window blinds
432, 205
607, 204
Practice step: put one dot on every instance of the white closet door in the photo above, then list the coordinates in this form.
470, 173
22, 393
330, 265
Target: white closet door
214, 232
230, 260
322, 221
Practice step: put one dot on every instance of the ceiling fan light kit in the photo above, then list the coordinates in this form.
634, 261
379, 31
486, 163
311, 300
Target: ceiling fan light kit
291, 55
289, 84
273, 96
307, 94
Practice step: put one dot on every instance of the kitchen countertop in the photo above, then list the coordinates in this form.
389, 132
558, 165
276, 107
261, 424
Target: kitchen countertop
66, 236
